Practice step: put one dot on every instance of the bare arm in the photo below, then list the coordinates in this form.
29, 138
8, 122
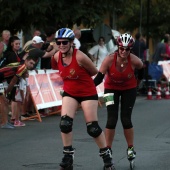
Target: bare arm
11, 84
136, 62
86, 62
52, 52
1, 48
106, 64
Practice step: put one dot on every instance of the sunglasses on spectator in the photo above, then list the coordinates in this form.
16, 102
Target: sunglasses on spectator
124, 49
62, 42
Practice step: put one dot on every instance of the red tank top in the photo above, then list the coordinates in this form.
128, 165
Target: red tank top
77, 81
120, 80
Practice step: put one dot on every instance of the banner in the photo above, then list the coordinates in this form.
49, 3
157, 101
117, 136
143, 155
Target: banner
166, 68
45, 88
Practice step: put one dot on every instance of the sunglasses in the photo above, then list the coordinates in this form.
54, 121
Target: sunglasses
62, 42
126, 49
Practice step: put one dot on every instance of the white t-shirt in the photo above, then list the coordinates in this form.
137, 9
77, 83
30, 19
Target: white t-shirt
77, 43
99, 52
22, 86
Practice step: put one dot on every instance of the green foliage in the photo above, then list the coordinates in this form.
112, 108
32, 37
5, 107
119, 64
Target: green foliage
154, 18
25, 14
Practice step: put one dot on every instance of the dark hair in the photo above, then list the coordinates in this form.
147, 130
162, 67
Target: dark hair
11, 40
137, 36
32, 58
166, 39
101, 38
49, 31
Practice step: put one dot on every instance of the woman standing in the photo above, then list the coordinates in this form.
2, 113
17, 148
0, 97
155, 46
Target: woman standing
76, 70
11, 53
11, 56
98, 52
120, 85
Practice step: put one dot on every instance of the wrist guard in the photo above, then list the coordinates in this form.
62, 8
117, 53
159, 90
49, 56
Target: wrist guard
99, 78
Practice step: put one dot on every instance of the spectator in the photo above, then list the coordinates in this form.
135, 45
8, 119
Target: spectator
12, 74
19, 98
77, 33
50, 39
36, 33
3, 44
35, 50
11, 53
4, 109
139, 46
98, 52
160, 53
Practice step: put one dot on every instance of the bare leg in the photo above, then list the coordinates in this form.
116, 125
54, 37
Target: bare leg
3, 110
14, 110
109, 133
67, 138
19, 110
129, 135
69, 107
90, 113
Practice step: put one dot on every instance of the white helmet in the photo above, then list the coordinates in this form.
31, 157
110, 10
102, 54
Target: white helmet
65, 33
125, 40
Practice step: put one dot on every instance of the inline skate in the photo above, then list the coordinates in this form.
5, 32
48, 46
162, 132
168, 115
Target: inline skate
107, 159
67, 160
131, 154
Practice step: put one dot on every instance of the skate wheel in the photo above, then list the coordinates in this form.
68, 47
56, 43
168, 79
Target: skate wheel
109, 168
132, 164
68, 168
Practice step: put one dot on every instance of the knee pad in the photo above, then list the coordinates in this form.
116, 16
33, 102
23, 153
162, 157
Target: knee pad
93, 129
66, 124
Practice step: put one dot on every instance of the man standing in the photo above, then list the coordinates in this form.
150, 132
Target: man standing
11, 74
139, 46
3, 44
35, 50
76, 42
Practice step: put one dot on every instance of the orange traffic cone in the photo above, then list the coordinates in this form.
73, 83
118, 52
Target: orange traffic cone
158, 95
167, 95
149, 97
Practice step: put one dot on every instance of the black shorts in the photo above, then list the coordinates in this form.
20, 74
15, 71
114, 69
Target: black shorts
12, 94
81, 99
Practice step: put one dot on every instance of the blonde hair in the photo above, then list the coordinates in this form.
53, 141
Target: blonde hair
5, 32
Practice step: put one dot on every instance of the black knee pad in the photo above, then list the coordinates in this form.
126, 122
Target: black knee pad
93, 129
66, 124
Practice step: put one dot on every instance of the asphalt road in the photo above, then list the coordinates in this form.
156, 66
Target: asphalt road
39, 146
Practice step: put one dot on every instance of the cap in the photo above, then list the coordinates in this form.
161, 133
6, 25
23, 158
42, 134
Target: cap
37, 40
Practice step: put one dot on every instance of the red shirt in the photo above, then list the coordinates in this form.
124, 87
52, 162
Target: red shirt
120, 80
13, 69
77, 80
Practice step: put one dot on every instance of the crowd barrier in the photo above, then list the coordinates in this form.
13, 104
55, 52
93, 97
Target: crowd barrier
45, 90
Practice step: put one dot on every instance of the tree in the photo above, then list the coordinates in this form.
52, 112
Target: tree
159, 14
19, 15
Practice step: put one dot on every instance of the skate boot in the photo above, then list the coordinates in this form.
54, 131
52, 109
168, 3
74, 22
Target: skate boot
131, 154
67, 161
105, 153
